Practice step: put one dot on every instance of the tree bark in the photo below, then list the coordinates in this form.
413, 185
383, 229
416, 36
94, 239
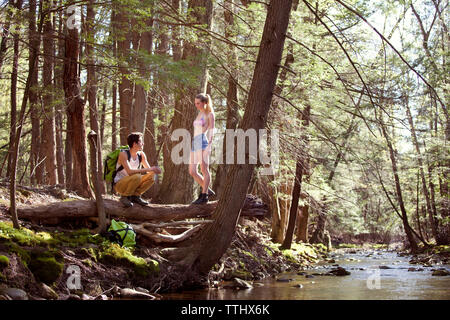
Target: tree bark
431, 214
5, 33
214, 240
121, 28
77, 209
92, 90
75, 115
48, 142
409, 233
94, 141
13, 172
302, 225
294, 205
13, 92
37, 175
232, 94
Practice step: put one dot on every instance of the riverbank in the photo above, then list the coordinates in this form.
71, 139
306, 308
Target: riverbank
65, 262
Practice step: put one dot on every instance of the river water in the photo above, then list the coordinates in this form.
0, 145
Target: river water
375, 275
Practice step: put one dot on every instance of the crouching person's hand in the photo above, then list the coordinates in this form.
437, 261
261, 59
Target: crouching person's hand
156, 169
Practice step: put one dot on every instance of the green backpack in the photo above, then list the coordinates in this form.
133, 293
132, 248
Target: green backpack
111, 161
122, 233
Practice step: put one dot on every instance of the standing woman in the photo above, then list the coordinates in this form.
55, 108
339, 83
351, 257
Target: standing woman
201, 146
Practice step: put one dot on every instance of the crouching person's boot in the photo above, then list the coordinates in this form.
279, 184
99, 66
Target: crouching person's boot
126, 201
138, 200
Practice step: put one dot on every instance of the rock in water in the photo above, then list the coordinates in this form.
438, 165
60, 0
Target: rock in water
133, 294
339, 271
440, 273
241, 284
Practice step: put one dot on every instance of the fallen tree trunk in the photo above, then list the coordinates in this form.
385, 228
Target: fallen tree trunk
153, 212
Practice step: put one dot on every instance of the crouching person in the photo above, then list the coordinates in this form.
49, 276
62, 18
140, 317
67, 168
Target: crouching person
134, 176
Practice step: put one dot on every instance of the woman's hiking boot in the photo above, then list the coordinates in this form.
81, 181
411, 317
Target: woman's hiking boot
202, 199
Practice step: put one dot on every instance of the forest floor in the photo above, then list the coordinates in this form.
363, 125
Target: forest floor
43, 262
69, 262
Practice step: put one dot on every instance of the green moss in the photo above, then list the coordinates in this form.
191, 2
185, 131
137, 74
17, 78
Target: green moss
268, 251
87, 262
45, 267
23, 254
441, 249
113, 253
4, 261
90, 252
77, 238
242, 274
290, 255
22, 236
320, 247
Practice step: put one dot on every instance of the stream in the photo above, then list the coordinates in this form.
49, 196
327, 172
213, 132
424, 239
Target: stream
375, 275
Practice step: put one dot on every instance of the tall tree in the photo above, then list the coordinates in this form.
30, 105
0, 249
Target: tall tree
75, 114
214, 240
92, 90
48, 143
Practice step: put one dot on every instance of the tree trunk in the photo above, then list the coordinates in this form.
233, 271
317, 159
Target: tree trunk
177, 185
409, 233
75, 115
15, 154
214, 240
5, 32
48, 142
431, 214
58, 80
294, 205
92, 91
138, 119
232, 94
121, 28
302, 225
37, 174
13, 93
94, 141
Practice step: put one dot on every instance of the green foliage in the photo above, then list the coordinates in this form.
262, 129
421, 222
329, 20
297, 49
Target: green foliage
4, 261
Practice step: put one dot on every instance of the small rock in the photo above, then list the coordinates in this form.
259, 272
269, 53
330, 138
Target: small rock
309, 276
362, 269
298, 286
331, 261
284, 280
301, 273
241, 284
73, 297
48, 292
14, 293
5, 297
340, 272
143, 290
440, 273
133, 294
384, 267
102, 297
335, 265
84, 296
